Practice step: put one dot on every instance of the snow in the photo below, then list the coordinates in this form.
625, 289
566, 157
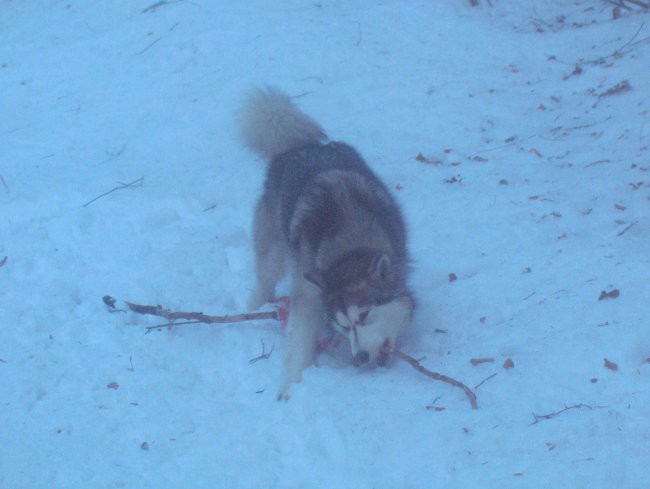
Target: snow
94, 95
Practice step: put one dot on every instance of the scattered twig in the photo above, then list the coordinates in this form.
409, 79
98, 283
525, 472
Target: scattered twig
134, 183
621, 233
617, 53
149, 329
154, 6
637, 2
436, 376
3, 261
636, 34
540, 417
484, 381
4, 184
619, 3
264, 355
597, 162
359, 34
3, 360
149, 46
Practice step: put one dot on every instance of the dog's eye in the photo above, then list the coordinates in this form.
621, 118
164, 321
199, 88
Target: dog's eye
363, 316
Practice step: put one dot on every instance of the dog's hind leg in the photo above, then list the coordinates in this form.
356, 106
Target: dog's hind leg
270, 255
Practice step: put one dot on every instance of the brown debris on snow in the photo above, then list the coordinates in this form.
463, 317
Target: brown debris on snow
612, 294
423, 159
620, 87
478, 361
610, 365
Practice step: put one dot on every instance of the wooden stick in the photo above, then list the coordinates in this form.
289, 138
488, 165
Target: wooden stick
189, 317
134, 183
436, 376
199, 317
540, 417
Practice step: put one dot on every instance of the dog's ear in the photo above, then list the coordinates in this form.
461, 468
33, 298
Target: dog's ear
317, 278
380, 269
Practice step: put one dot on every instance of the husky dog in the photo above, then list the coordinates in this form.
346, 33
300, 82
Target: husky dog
326, 217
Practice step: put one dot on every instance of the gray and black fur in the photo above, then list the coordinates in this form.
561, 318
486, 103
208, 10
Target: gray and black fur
327, 215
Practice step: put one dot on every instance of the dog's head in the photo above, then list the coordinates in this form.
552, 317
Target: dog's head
366, 301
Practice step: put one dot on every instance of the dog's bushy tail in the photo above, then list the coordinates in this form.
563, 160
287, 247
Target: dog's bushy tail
271, 124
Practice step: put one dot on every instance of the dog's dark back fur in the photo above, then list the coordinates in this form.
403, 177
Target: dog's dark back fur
293, 174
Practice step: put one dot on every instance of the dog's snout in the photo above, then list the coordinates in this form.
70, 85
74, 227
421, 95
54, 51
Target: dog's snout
361, 357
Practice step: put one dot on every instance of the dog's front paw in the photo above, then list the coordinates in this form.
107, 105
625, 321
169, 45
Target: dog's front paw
283, 392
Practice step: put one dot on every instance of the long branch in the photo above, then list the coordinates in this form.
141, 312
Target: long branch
436, 376
199, 317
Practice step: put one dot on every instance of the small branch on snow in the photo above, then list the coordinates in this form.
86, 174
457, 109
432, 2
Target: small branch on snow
436, 376
4, 184
619, 3
484, 381
540, 417
149, 46
154, 6
621, 233
134, 183
3, 261
264, 355
191, 317
638, 3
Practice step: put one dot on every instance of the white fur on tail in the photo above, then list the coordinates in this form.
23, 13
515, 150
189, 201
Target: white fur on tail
271, 124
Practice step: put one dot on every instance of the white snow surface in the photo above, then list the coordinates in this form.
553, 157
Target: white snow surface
534, 193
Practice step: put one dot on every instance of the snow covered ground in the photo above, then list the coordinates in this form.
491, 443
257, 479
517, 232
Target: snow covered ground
532, 187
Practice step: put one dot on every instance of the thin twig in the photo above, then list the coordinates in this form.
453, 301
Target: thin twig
619, 3
264, 355
149, 329
540, 417
484, 381
134, 183
149, 46
4, 184
153, 7
633, 38
436, 376
621, 233
3, 261
638, 3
